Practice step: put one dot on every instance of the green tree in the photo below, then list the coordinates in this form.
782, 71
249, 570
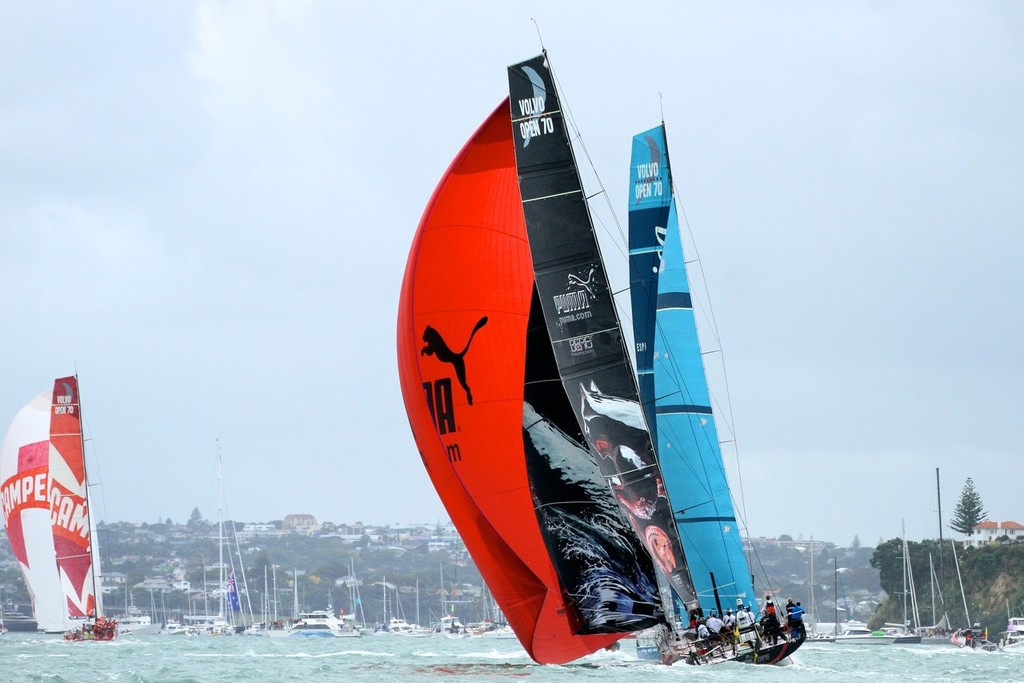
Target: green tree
969, 510
196, 521
888, 560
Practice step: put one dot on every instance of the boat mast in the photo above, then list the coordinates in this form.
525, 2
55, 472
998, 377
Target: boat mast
904, 532
960, 579
835, 587
931, 581
942, 576
914, 611
241, 569
274, 575
813, 616
94, 546
220, 533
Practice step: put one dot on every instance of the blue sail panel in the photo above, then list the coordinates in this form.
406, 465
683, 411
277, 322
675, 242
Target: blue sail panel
650, 197
688, 448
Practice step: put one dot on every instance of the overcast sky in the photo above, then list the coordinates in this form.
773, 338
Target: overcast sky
206, 208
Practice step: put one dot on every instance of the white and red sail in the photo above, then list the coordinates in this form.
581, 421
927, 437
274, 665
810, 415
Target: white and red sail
45, 506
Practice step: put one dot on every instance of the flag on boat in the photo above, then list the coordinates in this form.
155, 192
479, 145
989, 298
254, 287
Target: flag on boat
233, 594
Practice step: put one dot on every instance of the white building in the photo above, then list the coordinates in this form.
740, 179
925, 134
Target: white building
987, 532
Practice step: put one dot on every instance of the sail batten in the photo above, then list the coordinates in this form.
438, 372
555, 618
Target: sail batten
552, 196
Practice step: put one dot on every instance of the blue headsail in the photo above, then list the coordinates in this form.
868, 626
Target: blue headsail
673, 385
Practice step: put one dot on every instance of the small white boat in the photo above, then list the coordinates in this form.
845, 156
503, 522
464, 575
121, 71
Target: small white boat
492, 630
176, 628
857, 633
209, 625
451, 627
324, 624
975, 638
1013, 637
135, 622
397, 626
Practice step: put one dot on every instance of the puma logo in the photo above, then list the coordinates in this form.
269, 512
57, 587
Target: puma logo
581, 283
434, 345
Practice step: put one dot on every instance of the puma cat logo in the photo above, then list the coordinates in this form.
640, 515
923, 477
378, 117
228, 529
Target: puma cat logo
434, 345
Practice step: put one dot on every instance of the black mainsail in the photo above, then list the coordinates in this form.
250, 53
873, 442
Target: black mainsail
582, 324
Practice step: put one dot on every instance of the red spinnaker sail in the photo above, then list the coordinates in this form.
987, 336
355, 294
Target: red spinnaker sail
462, 323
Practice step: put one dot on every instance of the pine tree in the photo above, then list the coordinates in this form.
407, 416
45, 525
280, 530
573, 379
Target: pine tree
969, 511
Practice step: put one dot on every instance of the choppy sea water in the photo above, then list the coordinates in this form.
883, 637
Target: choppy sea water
180, 659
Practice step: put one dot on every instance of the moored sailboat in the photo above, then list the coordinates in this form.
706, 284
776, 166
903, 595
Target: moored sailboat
47, 513
523, 402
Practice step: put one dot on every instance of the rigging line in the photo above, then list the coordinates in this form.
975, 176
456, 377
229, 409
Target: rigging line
621, 313
684, 390
710, 313
740, 523
540, 39
701, 478
577, 137
740, 518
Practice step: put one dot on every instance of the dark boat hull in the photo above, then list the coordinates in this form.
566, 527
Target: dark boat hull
20, 624
693, 653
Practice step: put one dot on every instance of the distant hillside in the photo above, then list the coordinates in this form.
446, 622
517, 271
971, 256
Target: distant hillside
993, 581
843, 579
425, 567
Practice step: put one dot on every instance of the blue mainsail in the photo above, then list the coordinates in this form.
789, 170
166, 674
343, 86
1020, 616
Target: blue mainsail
673, 385
650, 199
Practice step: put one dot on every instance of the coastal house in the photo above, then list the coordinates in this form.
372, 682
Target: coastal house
156, 583
300, 524
113, 582
251, 531
989, 532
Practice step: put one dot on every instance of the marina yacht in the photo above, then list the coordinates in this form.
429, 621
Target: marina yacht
397, 626
136, 622
451, 627
324, 624
1013, 637
490, 629
857, 633
176, 628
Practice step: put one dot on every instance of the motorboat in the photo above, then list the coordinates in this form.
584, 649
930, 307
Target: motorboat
396, 626
324, 624
1013, 637
857, 633
492, 630
176, 628
137, 623
975, 638
451, 627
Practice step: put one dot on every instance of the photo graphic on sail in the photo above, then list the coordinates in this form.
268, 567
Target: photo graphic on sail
615, 426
